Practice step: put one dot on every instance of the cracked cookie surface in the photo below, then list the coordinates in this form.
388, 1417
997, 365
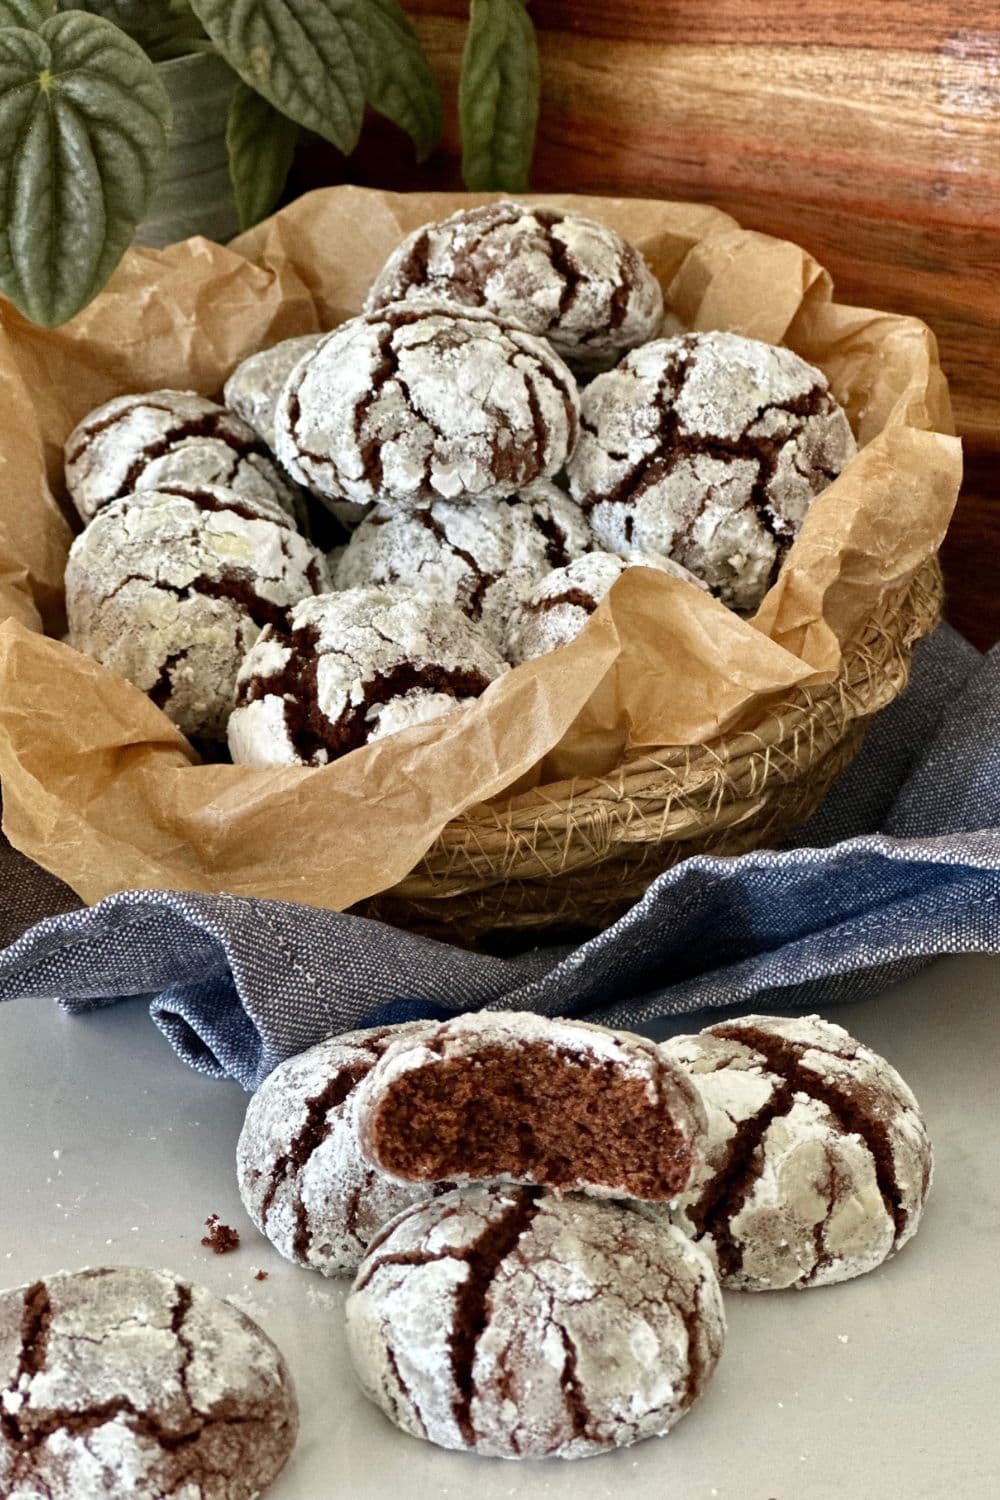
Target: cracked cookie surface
481, 555
352, 667
413, 402
123, 1382
514, 1095
709, 448
170, 590
520, 1324
161, 438
253, 388
252, 392
559, 605
301, 1174
570, 279
817, 1162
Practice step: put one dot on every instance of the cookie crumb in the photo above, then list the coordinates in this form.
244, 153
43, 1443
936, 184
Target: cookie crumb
220, 1238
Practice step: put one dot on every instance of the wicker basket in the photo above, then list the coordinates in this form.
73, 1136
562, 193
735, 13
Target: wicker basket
579, 853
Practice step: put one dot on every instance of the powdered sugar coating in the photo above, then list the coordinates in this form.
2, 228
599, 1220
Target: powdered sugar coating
170, 590
301, 1174
117, 1383
253, 388
252, 392
570, 279
481, 555
351, 667
817, 1161
526, 1325
561, 603
709, 448
468, 1038
218, 497
414, 402
161, 438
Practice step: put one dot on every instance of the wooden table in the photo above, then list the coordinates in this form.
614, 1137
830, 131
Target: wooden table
866, 130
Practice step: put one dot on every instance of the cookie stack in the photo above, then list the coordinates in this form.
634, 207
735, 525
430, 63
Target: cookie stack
490, 500
539, 1214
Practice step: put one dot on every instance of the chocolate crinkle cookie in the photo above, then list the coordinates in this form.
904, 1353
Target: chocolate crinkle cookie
413, 402
170, 590
352, 667
556, 1103
253, 388
561, 603
480, 555
162, 438
709, 448
252, 392
118, 1383
572, 280
817, 1162
301, 1174
525, 1325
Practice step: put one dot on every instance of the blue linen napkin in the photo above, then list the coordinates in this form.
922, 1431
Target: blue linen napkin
900, 864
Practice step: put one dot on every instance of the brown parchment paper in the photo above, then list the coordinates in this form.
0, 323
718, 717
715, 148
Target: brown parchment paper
101, 789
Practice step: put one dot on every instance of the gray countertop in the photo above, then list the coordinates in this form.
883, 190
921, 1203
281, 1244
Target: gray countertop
881, 1389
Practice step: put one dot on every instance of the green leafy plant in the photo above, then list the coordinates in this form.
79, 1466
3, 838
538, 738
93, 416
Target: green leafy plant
85, 118
498, 95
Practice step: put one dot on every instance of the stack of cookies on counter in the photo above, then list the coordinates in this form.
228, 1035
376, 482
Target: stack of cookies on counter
384, 519
540, 1217
540, 1214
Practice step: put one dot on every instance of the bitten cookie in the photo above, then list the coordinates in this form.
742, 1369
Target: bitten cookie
480, 555
509, 1094
301, 1174
708, 448
162, 438
352, 667
171, 589
415, 402
118, 1383
526, 1325
561, 603
817, 1163
572, 280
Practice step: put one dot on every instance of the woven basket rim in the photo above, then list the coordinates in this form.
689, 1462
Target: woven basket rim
913, 611
719, 789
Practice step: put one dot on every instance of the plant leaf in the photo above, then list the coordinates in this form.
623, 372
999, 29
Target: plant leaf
261, 146
164, 29
401, 85
498, 96
84, 122
26, 12
309, 58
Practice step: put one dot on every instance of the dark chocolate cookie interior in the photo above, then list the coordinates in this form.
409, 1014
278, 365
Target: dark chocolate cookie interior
532, 1113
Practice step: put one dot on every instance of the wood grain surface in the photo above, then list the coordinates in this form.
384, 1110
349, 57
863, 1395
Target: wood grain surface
869, 133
